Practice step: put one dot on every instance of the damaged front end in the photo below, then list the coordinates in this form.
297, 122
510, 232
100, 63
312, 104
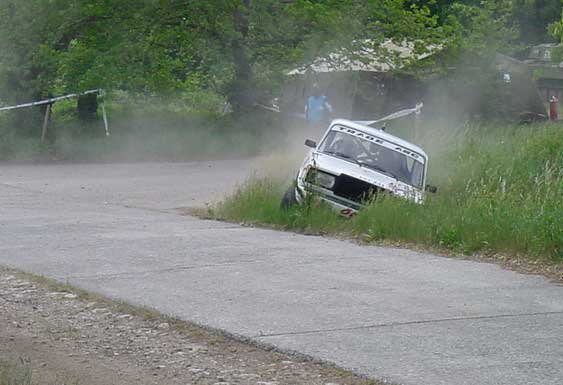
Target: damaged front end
345, 192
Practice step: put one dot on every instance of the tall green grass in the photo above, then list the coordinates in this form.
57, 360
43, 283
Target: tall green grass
500, 191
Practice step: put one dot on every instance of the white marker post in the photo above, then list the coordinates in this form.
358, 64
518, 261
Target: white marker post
105, 117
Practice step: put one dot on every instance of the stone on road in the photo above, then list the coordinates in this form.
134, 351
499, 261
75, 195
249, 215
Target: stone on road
391, 314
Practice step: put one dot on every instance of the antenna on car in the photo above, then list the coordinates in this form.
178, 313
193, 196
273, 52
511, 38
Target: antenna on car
395, 115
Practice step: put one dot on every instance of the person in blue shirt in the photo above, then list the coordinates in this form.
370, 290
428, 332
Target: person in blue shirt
317, 108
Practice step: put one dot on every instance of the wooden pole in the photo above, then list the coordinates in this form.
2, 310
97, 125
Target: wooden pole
46, 123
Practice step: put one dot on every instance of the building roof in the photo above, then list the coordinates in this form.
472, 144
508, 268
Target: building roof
538, 69
388, 56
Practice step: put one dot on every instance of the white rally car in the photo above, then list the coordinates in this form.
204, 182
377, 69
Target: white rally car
353, 163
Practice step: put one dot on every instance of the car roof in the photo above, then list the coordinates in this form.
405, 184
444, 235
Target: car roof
379, 133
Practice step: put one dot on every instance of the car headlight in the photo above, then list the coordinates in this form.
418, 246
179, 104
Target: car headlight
321, 179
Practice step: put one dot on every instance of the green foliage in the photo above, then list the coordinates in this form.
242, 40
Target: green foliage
161, 47
500, 192
556, 31
532, 18
199, 55
484, 28
529, 18
233, 47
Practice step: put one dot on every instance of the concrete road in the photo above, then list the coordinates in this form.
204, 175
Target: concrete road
391, 314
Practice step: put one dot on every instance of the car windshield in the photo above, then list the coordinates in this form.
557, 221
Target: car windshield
369, 154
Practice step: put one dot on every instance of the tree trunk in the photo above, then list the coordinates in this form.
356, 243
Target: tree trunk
87, 108
242, 94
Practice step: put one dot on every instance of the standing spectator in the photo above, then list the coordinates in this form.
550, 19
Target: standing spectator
317, 109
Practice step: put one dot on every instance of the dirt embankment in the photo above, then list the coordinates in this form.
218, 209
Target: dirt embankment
69, 337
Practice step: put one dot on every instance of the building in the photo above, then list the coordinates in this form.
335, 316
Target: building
546, 70
361, 83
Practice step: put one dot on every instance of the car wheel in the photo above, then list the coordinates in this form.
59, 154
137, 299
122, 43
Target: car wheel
288, 198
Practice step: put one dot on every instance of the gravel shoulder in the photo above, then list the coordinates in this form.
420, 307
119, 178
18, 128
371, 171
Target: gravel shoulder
68, 336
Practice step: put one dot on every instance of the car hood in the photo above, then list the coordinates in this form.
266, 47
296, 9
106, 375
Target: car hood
337, 166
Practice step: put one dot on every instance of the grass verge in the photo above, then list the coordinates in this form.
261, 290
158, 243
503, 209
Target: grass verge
15, 373
501, 194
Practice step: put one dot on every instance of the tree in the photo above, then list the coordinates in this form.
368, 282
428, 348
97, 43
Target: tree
23, 72
533, 18
239, 49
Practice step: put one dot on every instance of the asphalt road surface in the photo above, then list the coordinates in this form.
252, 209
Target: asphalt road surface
392, 314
